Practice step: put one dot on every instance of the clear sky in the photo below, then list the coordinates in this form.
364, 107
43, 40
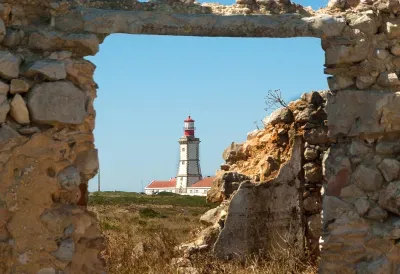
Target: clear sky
149, 84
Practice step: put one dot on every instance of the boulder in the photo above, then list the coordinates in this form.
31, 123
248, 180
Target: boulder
211, 216
233, 153
57, 102
390, 169
367, 178
52, 70
19, 112
313, 98
9, 65
281, 115
224, 185
389, 197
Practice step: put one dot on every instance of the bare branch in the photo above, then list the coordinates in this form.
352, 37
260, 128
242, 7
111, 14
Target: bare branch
274, 100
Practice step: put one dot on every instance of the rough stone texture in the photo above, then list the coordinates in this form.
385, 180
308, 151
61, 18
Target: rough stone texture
58, 102
18, 110
19, 86
261, 230
9, 65
353, 112
360, 187
50, 69
280, 115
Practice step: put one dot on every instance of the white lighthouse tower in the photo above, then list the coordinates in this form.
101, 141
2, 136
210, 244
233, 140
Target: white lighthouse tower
189, 171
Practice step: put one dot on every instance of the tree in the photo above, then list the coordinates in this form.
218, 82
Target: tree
274, 100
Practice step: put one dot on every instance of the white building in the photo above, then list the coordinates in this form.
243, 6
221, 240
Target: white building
189, 180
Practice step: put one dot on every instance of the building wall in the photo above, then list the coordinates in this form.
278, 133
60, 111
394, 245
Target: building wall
152, 191
198, 191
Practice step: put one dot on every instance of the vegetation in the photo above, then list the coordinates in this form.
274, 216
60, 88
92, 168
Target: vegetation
128, 198
142, 233
274, 99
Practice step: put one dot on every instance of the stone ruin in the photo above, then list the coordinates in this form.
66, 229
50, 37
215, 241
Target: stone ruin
47, 118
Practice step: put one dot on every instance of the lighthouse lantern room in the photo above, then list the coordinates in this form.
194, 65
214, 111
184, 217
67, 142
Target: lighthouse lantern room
189, 127
189, 171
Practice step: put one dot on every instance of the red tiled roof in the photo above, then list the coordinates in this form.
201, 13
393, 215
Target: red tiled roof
163, 184
205, 182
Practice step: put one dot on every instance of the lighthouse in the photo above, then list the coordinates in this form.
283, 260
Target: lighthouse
189, 171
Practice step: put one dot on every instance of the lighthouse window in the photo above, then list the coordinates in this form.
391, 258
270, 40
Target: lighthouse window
183, 149
182, 162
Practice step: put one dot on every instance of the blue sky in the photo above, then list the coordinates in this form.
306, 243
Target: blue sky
149, 84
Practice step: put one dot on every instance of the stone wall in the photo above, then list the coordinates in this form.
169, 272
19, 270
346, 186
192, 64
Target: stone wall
273, 181
47, 90
47, 155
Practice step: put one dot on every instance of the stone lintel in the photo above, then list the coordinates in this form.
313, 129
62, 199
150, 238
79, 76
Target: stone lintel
161, 23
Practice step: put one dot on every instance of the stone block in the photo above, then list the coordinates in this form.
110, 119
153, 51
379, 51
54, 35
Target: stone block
353, 112
312, 172
390, 169
57, 102
4, 108
389, 197
367, 178
65, 251
281, 115
50, 69
81, 44
18, 111
9, 65
19, 86
366, 22
69, 178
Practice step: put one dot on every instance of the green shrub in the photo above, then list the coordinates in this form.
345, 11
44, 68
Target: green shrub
150, 213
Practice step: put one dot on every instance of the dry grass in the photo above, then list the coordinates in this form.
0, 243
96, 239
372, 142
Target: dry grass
158, 229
